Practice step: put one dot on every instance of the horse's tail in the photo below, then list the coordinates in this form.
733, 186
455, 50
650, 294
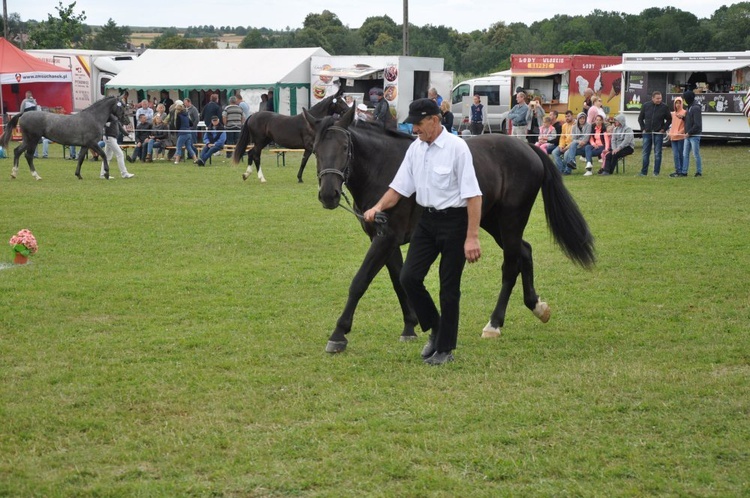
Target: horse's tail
245, 138
564, 218
9, 127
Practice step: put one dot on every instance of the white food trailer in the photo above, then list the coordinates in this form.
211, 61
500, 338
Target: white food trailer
721, 81
402, 78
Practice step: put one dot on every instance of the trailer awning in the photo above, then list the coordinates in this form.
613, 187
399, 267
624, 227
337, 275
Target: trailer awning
539, 74
709, 66
355, 73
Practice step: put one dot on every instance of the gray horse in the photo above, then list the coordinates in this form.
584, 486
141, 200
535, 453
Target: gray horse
84, 129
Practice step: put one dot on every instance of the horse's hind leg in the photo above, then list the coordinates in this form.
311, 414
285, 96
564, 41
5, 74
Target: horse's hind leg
531, 299
305, 157
81, 157
30, 159
16, 157
253, 157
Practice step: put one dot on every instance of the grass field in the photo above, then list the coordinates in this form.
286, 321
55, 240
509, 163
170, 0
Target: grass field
167, 340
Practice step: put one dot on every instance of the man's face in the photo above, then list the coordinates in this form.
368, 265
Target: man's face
215, 122
144, 104
568, 117
428, 129
476, 99
656, 99
519, 98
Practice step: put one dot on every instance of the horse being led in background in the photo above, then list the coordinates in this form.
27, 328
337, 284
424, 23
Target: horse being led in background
84, 129
365, 158
291, 132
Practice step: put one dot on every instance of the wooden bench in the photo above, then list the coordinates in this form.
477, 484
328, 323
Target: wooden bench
281, 153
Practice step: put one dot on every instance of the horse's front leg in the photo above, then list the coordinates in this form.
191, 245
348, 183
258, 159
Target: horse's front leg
305, 157
379, 252
81, 157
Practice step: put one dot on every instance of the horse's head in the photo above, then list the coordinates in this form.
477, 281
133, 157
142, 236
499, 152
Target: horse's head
333, 151
333, 104
118, 109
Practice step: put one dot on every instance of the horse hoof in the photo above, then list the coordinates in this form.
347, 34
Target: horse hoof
299, 180
408, 338
336, 346
262, 180
542, 311
490, 332
79, 177
244, 177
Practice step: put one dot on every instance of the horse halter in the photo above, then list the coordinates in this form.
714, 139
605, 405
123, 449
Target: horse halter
344, 174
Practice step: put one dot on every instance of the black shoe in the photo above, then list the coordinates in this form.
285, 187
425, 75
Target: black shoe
572, 165
697, 175
440, 359
675, 175
130, 159
429, 349
200, 162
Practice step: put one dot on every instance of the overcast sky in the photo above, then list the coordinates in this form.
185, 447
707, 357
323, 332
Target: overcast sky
463, 15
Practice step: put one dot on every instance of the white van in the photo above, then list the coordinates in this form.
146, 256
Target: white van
495, 87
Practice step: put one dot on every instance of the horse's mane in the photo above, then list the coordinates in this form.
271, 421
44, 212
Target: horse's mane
106, 101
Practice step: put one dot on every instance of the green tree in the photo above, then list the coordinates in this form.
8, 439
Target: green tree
111, 37
730, 27
65, 31
381, 35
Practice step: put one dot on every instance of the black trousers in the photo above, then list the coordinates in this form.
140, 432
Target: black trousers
611, 160
443, 234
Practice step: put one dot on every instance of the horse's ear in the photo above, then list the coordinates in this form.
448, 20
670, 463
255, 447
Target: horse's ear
345, 120
310, 119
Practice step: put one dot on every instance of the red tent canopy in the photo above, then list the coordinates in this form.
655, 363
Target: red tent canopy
20, 72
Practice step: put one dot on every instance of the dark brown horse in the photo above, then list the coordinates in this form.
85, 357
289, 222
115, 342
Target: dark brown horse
290, 132
365, 158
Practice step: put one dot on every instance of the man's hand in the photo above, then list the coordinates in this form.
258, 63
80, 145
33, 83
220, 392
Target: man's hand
369, 215
472, 251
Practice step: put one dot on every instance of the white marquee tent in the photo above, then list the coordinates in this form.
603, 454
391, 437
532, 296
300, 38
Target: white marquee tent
251, 71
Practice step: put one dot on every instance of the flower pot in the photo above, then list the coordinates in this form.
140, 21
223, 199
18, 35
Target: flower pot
20, 259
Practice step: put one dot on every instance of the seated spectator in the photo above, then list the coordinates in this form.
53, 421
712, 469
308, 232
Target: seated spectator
214, 137
145, 110
581, 131
565, 139
142, 134
161, 111
546, 133
158, 139
557, 125
598, 143
622, 145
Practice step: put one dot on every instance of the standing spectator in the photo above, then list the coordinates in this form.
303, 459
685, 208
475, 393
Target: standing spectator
144, 109
448, 227
211, 109
677, 136
271, 104
447, 119
476, 125
29, 103
243, 105
693, 130
517, 116
588, 94
166, 100
214, 138
361, 113
142, 135
433, 95
182, 125
566, 138
546, 133
232, 118
654, 120
263, 106
534, 117
598, 143
195, 118
379, 113
595, 110
622, 145
112, 130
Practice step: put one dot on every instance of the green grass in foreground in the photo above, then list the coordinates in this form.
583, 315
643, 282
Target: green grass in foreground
167, 340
